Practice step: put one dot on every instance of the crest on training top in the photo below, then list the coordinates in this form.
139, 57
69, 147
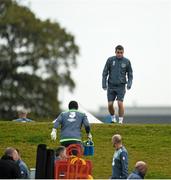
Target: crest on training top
123, 65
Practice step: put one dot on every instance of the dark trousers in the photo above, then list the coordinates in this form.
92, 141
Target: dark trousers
67, 143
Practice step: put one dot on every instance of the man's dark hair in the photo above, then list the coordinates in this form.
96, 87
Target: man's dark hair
73, 105
59, 150
119, 47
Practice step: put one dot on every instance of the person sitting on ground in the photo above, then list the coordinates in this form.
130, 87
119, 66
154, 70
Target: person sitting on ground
60, 153
140, 171
25, 174
9, 169
22, 116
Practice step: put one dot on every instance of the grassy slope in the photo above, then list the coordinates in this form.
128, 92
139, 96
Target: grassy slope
151, 143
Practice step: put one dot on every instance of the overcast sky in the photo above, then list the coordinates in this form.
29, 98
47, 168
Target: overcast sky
143, 27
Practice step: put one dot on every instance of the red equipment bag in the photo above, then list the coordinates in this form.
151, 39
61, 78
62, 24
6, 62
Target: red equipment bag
74, 167
74, 147
66, 169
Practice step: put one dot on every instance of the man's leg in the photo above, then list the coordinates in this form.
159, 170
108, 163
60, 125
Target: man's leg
120, 97
111, 108
112, 111
111, 96
120, 111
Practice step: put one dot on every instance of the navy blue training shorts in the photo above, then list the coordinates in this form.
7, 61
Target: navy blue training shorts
116, 93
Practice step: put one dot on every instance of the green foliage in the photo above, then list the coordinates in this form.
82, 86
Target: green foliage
150, 143
36, 58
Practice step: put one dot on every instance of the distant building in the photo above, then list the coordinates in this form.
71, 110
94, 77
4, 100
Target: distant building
146, 114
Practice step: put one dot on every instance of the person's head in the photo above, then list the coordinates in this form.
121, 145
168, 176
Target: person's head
117, 141
22, 114
11, 152
73, 105
61, 152
119, 51
141, 167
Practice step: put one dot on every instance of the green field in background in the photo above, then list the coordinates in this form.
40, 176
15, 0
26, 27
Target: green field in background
150, 143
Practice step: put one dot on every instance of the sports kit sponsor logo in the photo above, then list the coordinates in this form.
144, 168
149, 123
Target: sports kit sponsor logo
123, 65
71, 120
72, 116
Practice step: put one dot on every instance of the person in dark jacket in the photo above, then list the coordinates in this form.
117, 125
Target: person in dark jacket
116, 74
120, 159
140, 171
9, 169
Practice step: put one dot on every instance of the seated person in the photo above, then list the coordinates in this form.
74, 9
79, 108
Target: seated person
9, 169
60, 153
139, 172
22, 117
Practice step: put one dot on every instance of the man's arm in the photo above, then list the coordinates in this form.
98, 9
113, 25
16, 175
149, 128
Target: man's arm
87, 126
105, 75
124, 164
130, 75
57, 121
24, 170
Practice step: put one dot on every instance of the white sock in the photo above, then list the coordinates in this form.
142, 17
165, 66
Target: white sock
113, 118
120, 120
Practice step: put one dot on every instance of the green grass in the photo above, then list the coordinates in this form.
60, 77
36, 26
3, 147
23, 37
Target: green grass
150, 143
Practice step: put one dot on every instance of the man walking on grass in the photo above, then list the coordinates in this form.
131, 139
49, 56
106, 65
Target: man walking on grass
120, 159
116, 74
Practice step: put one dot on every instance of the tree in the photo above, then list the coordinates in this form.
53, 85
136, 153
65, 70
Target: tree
36, 58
